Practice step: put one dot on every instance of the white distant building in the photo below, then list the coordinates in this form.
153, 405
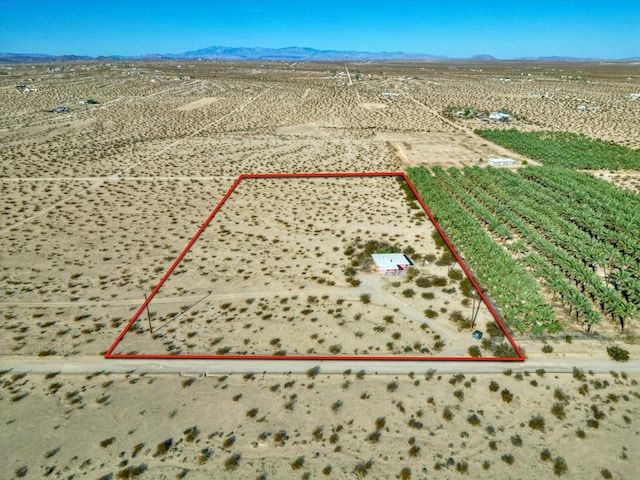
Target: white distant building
501, 162
392, 264
499, 116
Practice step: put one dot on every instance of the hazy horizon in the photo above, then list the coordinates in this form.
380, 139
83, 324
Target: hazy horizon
457, 30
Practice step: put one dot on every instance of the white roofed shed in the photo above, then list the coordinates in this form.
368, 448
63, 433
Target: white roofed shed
392, 264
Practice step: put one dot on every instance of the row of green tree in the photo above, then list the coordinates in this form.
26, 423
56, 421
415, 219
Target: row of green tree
514, 289
565, 149
592, 268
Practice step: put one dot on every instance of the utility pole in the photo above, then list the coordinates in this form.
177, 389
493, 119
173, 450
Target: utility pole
148, 315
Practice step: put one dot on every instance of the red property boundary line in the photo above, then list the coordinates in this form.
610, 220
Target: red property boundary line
403, 175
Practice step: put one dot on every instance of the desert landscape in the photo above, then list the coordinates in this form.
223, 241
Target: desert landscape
99, 199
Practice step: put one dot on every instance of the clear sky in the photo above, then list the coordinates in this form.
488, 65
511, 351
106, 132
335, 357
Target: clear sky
455, 28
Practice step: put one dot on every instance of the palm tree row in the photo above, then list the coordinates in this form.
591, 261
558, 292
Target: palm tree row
458, 185
565, 149
560, 249
549, 212
510, 285
617, 208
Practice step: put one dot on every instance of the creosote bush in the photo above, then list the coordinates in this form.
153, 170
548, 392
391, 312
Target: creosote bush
618, 354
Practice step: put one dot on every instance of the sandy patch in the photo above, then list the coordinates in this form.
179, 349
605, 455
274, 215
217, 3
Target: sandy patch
306, 130
202, 102
373, 106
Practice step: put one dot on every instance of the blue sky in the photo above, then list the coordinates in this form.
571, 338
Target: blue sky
504, 29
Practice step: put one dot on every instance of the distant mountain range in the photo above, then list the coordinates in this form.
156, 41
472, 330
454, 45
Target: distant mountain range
260, 53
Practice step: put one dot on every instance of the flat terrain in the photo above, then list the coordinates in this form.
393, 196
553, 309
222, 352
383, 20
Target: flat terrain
99, 200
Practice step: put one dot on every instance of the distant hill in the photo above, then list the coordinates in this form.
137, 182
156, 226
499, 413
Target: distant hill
483, 57
39, 58
296, 54
299, 54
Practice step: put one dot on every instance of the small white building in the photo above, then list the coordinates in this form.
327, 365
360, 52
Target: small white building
499, 116
392, 264
501, 162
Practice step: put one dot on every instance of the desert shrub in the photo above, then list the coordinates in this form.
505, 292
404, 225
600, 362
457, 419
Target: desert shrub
430, 313
507, 396
473, 419
21, 471
437, 239
132, 471
298, 463
560, 466
494, 386
232, 462
313, 372
229, 441
163, 447
337, 405
545, 455
428, 295
327, 470
537, 423
405, 473
516, 441
414, 451
423, 282
380, 423
578, 374
365, 298
374, 437
475, 351
503, 350
508, 458
107, 441
392, 386
606, 473
408, 292
362, 468
446, 258
459, 394
456, 275
447, 414
349, 272
559, 395
580, 433
618, 354
546, 348
558, 410
462, 467
204, 455
439, 281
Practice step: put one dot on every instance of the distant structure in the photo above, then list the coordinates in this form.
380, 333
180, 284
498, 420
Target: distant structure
501, 162
499, 116
392, 264
25, 88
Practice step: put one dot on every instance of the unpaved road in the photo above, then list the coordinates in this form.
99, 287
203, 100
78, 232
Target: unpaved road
83, 365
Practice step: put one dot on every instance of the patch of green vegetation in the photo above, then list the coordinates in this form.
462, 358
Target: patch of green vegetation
565, 149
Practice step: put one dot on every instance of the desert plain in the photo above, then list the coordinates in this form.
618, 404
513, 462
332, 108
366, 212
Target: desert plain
99, 200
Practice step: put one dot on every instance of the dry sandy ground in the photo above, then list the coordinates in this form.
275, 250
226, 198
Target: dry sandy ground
330, 426
243, 281
97, 202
